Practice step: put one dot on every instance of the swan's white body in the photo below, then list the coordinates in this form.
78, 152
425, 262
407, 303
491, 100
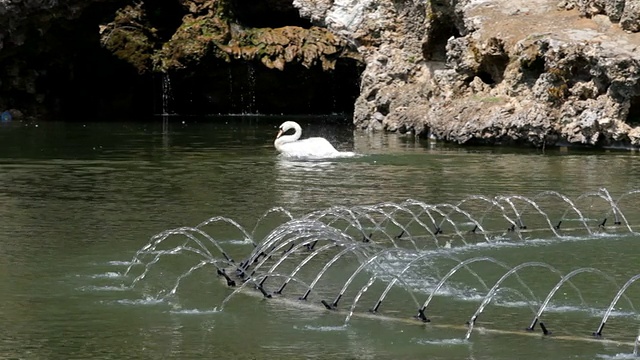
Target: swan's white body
315, 147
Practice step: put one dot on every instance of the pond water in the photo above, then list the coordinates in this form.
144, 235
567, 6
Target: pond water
78, 201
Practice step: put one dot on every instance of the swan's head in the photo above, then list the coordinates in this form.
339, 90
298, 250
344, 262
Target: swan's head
286, 126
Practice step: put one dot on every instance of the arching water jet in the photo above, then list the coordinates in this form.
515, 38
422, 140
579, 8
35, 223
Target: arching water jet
624, 288
495, 287
421, 312
326, 266
228, 221
557, 287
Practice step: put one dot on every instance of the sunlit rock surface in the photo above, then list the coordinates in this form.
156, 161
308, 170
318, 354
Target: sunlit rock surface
495, 71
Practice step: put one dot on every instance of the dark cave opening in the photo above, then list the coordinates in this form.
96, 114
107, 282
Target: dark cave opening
532, 70
580, 71
434, 49
166, 16
486, 78
492, 67
273, 13
251, 88
633, 118
64, 73
87, 81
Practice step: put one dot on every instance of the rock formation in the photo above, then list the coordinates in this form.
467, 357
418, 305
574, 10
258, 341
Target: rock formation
534, 72
208, 28
495, 71
112, 58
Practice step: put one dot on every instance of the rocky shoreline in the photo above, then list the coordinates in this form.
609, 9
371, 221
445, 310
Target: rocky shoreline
540, 73
535, 73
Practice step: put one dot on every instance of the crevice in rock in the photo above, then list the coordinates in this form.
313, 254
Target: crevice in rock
383, 108
165, 16
579, 71
633, 118
434, 49
442, 26
531, 70
485, 77
267, 14
372, 94
492, 67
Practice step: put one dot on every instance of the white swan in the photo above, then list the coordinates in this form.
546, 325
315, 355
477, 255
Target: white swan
315, 147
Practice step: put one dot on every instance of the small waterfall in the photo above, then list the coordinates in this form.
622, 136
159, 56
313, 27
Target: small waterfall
231, 97
246, 92
250, 107
167, 100
167, 95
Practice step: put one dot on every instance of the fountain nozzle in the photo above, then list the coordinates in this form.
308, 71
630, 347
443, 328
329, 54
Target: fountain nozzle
264, 292
533, 325
230, 282
290, 247
598, 332
375, 308
421, 315
601, 226
544, 329
327, 305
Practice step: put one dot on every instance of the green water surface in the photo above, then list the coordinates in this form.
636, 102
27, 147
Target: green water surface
78, 200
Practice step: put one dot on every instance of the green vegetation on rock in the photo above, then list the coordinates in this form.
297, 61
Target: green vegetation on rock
209, 30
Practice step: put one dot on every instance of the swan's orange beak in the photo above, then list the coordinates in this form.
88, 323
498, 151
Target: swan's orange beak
279, 133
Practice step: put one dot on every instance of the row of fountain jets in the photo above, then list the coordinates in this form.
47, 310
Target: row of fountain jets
365, 232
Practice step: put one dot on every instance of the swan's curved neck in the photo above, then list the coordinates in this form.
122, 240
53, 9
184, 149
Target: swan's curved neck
283, 139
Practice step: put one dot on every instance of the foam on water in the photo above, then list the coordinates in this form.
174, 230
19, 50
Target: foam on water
620, 356
103, 288
550, 308
108, 275
196, 311
145, 301
338, 155
321, 328
442, 342
122, 263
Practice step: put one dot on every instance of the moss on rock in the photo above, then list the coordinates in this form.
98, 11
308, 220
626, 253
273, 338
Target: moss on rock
129, 37
210, 30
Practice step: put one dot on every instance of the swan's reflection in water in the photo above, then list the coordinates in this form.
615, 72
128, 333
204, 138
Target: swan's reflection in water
302, 166
302, 181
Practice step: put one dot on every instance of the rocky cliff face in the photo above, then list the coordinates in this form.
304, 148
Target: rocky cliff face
249, 44
538, 72
535, 72
120, 58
